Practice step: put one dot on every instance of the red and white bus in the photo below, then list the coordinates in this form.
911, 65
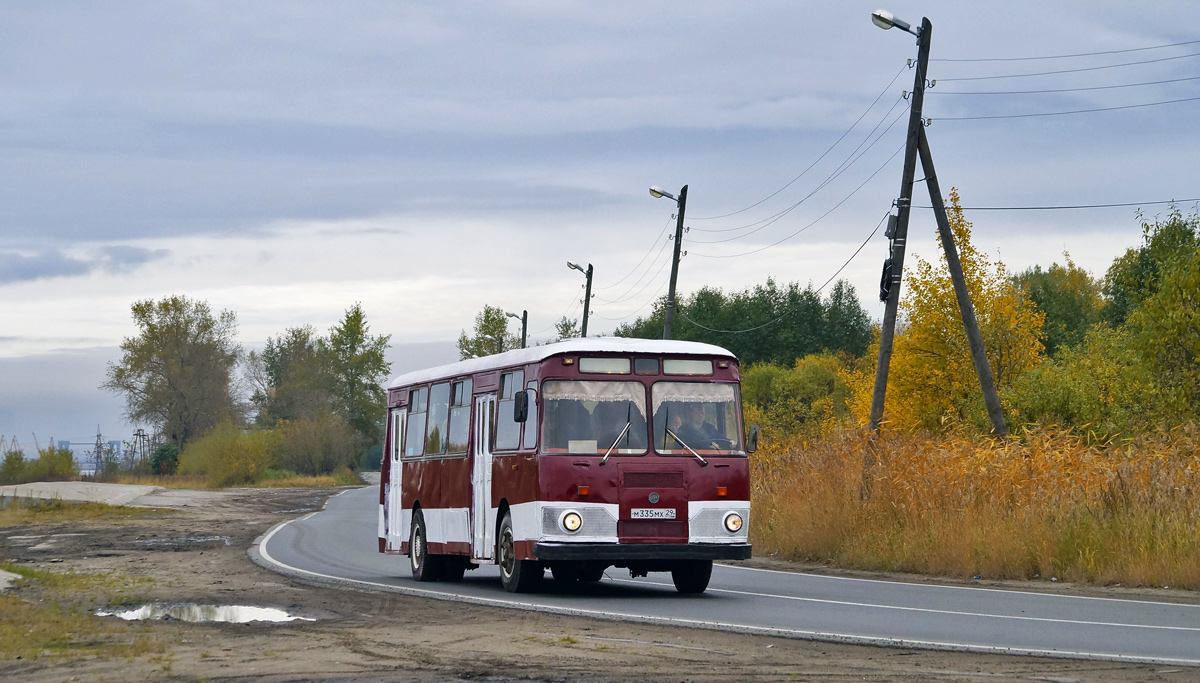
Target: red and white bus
575, 456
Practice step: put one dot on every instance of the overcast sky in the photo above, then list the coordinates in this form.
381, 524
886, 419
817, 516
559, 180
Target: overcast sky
285, 160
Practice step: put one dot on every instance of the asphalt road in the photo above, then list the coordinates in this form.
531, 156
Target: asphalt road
339, 545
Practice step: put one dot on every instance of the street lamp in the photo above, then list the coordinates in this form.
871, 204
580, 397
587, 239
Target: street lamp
885, 20
918, 145
681, 203
587, 295
524, 318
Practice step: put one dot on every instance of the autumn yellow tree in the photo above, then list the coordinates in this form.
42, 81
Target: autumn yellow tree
932, 382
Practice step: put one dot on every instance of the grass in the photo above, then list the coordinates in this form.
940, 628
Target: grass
1048, 504
56, 511
52, 616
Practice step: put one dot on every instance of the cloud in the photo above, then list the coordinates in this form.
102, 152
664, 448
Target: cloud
52, 263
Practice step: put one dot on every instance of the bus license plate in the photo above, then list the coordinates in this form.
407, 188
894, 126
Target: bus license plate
652, 513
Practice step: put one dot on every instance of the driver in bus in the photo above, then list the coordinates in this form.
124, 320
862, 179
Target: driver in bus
694, 431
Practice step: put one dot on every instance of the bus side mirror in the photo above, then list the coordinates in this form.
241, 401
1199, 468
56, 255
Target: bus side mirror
752, 439
521, 406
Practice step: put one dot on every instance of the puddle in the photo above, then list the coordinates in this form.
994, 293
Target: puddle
232, 614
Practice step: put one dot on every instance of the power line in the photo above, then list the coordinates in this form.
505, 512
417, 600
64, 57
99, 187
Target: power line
817, 290
818, 219
1072, 71
837, 172
1074, 206
1078, 54
1063, 113
639, 263
627, 295
1058, 90
823, 154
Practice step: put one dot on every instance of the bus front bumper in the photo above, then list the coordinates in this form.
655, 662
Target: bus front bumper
641, 551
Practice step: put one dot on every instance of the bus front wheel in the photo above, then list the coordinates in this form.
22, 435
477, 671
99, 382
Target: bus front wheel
425, 567
692, 576
517, 576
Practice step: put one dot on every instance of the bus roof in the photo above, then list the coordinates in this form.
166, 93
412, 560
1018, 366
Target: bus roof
535, 354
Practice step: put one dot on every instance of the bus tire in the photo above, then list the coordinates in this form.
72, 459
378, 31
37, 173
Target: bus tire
425, 567
591, 573
691, 576
517, 576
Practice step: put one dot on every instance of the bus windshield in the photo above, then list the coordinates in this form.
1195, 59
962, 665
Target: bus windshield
594, 417
702, 417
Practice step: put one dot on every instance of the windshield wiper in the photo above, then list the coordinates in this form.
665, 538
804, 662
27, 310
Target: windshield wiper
615, 442
681, 442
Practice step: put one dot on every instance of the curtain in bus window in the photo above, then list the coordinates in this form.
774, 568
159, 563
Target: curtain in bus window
703, 416
590, 417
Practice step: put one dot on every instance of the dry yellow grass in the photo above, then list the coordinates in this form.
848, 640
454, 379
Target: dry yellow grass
1048, 504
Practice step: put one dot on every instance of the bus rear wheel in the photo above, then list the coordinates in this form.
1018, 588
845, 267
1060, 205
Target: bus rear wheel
517, 576
692, 576
425, 567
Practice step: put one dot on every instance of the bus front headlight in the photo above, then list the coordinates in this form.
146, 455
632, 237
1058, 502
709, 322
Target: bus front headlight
571, 521
733, 522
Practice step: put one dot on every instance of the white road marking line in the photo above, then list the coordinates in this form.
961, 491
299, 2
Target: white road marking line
1001, 591
927, 610
722, 626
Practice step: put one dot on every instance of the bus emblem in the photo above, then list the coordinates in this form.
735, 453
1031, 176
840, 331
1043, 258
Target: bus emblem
653, 497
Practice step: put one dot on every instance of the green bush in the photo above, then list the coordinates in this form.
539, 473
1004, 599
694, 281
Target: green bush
227, 456
317, 445
165, 459
53, 463
14, 468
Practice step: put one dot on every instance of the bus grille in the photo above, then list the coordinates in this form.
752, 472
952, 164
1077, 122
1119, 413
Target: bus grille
653, 480
653, 528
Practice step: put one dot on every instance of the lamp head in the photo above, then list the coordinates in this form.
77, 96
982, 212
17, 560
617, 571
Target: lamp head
512, 315
885, 20
574, 266
656, 191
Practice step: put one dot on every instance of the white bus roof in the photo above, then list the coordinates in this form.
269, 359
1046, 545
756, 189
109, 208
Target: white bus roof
535, 354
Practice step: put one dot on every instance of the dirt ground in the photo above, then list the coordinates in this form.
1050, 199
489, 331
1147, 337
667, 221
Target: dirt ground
196, 551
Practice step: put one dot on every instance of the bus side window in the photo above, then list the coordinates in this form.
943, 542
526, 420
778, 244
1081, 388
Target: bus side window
414, 442
530, 438
460, 416
508, 431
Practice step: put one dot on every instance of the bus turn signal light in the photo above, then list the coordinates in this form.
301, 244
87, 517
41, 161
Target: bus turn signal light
721, 491
584, 490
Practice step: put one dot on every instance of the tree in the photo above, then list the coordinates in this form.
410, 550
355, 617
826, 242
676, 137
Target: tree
1068, 296
1135, 276
489, 336
176, 374
290, 377
767, 323
932, 382
357, 369
566, 328
1166, 333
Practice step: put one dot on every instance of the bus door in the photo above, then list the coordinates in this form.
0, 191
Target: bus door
482, 535
393, 512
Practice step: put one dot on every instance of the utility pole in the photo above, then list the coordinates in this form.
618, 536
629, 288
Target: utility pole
919, 144
669, 316
587, 295
900, 237
965, 309
524, 318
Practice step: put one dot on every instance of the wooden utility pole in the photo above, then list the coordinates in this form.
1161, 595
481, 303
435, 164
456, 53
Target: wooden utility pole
970, 324
903, 209
669, 315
